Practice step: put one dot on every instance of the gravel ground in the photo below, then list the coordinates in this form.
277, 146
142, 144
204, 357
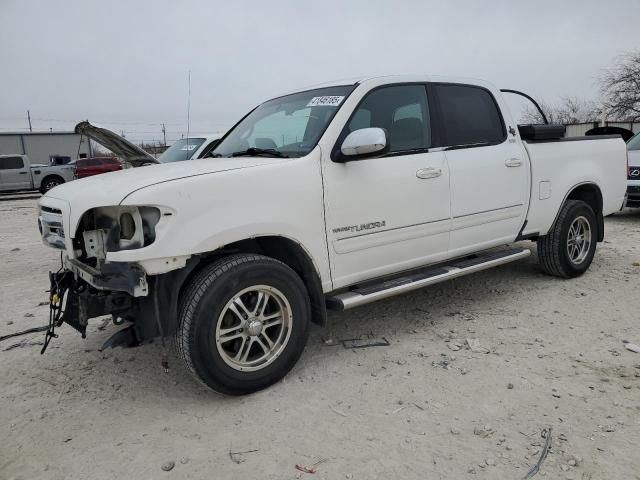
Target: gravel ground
425, 406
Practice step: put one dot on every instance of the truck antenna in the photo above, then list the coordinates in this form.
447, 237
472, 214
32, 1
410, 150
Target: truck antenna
188, 110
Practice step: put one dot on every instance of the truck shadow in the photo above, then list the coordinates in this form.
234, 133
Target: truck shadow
7, 197
487, 291
626, 216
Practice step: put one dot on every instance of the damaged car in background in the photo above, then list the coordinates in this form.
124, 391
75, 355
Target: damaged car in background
331, 197
132, 155
129, 153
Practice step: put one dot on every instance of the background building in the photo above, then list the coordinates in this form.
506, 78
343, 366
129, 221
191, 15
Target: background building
42, 146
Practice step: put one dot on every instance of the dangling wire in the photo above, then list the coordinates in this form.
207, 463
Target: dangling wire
56, 302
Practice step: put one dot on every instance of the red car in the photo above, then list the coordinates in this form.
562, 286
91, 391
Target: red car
86, 167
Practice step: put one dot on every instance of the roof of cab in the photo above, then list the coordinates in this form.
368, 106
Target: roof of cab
383, 79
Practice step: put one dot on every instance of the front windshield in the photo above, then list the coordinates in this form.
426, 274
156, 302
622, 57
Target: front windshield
634, 142
183, 149
287, 126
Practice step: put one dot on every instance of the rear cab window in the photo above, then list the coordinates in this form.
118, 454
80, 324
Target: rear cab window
469, 116
634, 143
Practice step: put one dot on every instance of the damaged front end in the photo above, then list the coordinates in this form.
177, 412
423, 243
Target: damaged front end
74, 301
89, 285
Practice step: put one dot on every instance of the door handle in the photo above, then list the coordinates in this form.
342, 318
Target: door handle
23, 173
429, 172
513, 162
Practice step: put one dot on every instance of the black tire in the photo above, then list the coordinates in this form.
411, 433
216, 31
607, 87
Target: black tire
50, 182
201, 308
553, 252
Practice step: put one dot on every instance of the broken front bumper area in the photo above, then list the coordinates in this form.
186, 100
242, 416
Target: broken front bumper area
149, 304
115, 276
79, 292
74, 302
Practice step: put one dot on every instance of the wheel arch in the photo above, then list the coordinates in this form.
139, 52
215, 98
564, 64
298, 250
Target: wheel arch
288, 251
590, 193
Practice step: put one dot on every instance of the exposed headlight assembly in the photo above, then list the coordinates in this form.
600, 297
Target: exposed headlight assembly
112, 229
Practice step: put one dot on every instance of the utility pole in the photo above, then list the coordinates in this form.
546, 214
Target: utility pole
29, 118
164, 135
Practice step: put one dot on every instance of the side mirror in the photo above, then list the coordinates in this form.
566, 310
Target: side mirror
363, 143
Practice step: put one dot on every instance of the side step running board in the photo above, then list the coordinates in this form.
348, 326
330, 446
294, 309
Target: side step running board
413, 281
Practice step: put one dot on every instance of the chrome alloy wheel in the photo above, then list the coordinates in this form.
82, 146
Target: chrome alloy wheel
253, 328
579, 240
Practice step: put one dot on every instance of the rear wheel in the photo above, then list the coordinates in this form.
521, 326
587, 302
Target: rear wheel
568, 249
50, 182
244, 322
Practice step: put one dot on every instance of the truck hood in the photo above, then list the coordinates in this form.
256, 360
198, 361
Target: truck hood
122, 147
112, 188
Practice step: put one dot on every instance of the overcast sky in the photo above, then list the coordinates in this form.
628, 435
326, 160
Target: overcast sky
124, 64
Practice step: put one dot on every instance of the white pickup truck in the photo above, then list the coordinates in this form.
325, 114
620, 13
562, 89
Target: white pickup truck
325, 198
17, 174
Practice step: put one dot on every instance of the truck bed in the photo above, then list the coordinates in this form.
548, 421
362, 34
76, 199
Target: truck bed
559, 165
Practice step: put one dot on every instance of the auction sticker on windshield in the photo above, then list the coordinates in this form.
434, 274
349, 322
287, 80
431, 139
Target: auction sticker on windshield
326, 101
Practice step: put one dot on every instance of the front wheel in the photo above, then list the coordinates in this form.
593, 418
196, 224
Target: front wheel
568, 248
244, 322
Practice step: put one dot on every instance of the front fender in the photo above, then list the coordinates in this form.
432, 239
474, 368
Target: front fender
283, 199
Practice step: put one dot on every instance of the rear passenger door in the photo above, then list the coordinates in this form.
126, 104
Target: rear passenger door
14, 173
489, 169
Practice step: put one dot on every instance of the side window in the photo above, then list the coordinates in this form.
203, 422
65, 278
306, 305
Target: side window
361, 119
408, 111
91, 162
11, 163
469, 115
402, 110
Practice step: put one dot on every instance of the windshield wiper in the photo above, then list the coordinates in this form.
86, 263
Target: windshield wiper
259, 151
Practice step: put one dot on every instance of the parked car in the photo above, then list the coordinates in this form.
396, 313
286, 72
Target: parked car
129, 153
326, 198
633, 173
86, 167
132, 155
17, 174
190, 149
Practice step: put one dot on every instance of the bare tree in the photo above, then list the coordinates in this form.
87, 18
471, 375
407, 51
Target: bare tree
571, 110
620, 87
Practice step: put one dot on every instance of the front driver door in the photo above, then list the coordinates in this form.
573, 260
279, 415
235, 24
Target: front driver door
391, 212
